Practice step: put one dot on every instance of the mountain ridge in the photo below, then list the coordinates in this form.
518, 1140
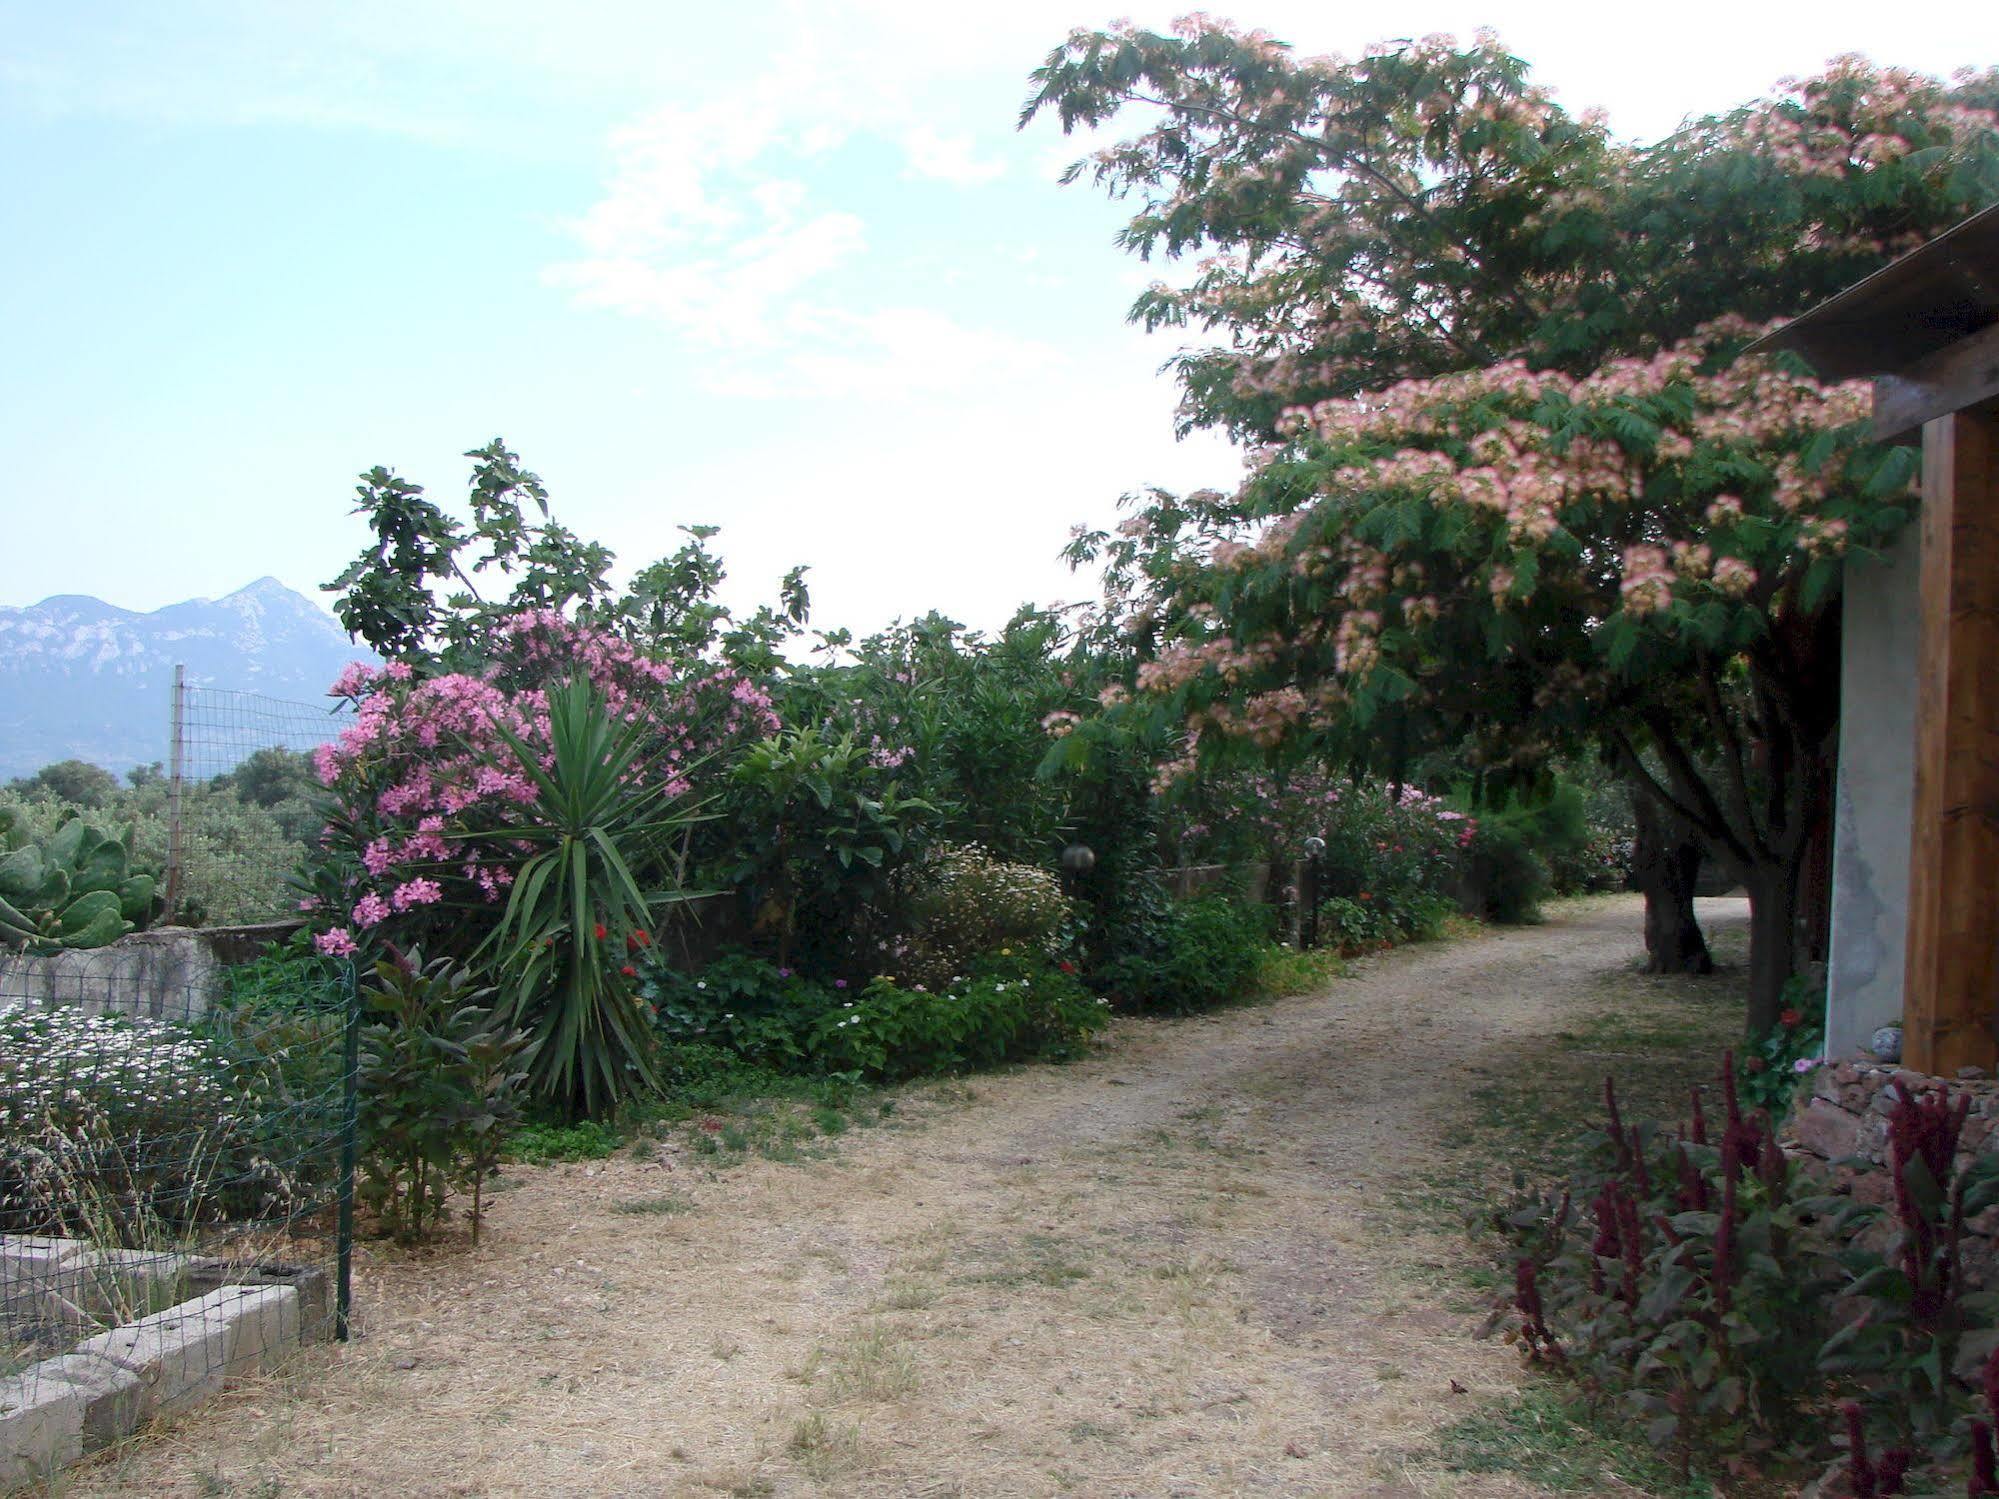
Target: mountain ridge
82, 678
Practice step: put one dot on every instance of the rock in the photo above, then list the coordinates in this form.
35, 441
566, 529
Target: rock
1826, 1130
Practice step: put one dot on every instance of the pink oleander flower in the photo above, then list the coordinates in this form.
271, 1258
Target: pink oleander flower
338, 943
355, 678
369, 910
417, 892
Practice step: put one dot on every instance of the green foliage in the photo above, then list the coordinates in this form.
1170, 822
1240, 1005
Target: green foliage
237, 855
272, 778
741, 1012
441, 1075
75, 781
1005, 1010
74, 888
1201, 953
1772, 1067
1506, 871
821, 834
280, 1018
756, 1011
543, 1144
574, 906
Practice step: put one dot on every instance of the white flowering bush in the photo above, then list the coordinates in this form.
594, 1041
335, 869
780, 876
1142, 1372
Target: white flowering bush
1011, 1008
118, 1128
967, 902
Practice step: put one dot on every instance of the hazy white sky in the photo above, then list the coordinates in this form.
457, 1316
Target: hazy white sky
783, 267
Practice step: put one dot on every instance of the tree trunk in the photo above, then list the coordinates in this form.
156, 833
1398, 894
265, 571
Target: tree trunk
1773, 940
1664, 866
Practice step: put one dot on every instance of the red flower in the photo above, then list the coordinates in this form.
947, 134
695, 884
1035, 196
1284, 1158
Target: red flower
1066, 966
640, 937
629, 972
1754, 1064
598, 931
1364, 895
1788, 1018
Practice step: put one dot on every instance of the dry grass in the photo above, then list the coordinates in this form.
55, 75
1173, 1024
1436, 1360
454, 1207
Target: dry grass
1177, 1268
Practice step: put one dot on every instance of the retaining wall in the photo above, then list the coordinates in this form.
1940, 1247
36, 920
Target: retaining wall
170, 973
1843, 1125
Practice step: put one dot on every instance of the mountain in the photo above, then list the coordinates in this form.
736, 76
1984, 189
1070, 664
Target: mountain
83, 679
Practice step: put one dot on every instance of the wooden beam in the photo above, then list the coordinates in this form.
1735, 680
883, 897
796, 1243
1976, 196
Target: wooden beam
1952, 979
1960, 375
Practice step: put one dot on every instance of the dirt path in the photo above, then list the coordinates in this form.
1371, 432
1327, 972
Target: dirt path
1169, 1270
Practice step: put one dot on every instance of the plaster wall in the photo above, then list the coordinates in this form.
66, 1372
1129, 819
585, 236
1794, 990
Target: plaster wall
1875, 796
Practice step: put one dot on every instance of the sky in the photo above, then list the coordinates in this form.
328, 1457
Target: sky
786, 268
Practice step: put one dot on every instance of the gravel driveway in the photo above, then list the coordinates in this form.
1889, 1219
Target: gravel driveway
1172, 1269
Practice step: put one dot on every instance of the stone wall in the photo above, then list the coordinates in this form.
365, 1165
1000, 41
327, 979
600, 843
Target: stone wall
1843, 1125
169, 973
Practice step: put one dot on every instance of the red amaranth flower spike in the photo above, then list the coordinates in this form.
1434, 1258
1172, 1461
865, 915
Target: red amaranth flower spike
1890, 1471
1724, 1248
1693, 1195
1616, 1122
1699, 1134
1859, 1471
1984, 1480
1637, 1154
1630, 1245
1533, 1317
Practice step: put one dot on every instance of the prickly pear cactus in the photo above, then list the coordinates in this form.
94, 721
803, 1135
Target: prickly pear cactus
75, 890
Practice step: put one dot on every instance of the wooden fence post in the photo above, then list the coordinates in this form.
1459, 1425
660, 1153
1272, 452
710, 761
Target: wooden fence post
1952, 974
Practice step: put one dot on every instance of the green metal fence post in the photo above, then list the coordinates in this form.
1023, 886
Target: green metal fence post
350, 1139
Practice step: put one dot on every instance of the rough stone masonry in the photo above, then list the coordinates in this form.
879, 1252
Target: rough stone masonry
1843, 1125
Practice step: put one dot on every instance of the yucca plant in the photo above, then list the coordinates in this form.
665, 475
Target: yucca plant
575, 904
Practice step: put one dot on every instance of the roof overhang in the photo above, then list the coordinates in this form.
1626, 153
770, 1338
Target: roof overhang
1925, 328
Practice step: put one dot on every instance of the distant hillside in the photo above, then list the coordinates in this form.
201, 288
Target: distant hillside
83, 679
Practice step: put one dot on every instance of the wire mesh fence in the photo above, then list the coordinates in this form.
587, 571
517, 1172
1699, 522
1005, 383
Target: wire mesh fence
175, 1182
242, 801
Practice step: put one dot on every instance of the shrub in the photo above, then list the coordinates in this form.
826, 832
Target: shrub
966, 902
821, 835
1007, 1007
757, 1011
441, 1080
438, 781
1507, 878
1006, 1011
1205, 952
1774, 1065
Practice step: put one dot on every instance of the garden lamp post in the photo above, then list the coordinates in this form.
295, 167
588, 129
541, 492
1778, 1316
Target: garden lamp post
1308, 890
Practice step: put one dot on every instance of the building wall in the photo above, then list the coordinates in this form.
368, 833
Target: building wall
1877, 768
